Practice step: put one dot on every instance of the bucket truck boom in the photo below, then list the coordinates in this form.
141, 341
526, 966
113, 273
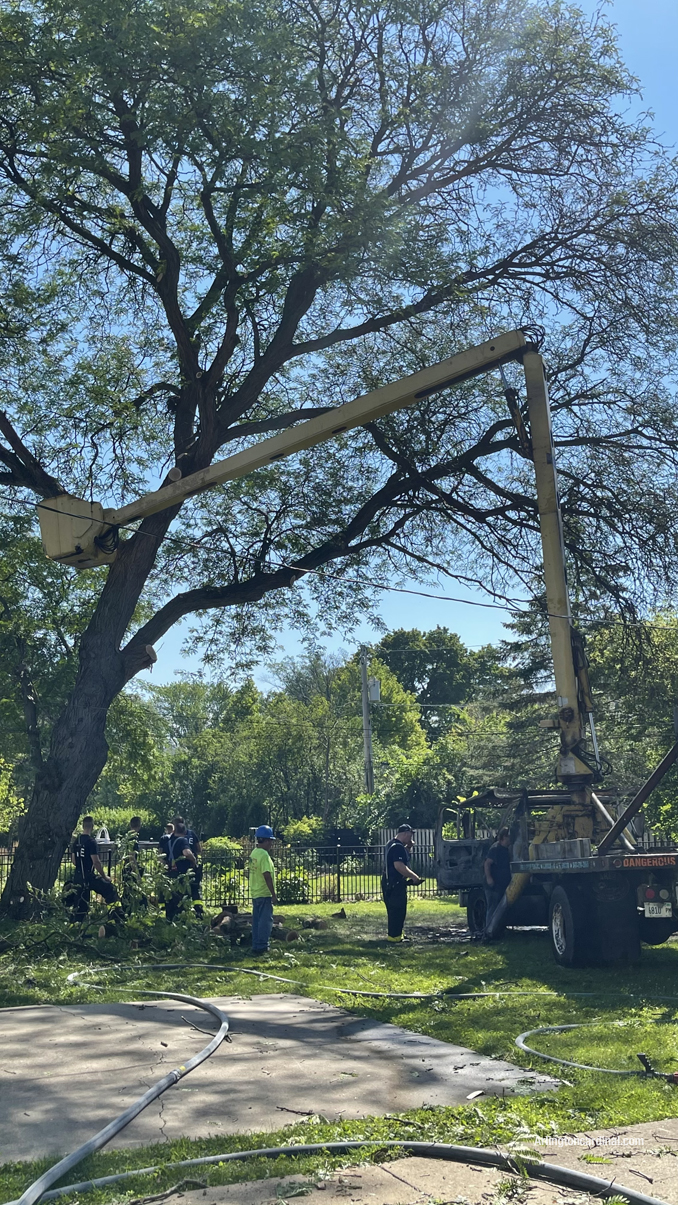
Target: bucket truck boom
598, 903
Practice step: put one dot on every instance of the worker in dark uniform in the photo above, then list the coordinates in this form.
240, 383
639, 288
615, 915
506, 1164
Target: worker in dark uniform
89, 873
180, 861
163, 843
396, 876
196, 878
497, 871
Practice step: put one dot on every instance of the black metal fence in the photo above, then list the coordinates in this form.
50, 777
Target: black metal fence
329, 874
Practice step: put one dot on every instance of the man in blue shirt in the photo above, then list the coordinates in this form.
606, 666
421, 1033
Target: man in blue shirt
196, 877
497, 870
180, 860
396, 876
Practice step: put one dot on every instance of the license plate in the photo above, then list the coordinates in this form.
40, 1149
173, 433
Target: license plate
658, 910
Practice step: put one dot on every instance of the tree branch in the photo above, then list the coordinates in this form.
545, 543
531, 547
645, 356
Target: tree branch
278, 423
27, 469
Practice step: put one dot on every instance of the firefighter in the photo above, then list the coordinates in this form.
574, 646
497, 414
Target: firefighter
396, 876
196, 878
180, 860
89, 873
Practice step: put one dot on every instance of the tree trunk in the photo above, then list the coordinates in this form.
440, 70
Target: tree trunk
78, 752
78, 747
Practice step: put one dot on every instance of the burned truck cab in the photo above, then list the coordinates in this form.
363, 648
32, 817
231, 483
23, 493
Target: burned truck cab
464, 834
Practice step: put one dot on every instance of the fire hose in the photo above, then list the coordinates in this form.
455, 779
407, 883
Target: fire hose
669, 1077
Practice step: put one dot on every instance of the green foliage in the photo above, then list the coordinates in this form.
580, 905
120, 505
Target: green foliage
43, 610
222, 849
435, 668
137, 773
11, 805
292, 887
305, 830
231, 888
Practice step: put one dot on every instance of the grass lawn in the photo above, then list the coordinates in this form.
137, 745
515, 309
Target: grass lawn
625, 1015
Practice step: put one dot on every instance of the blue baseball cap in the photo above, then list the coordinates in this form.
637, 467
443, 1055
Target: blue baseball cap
264, 832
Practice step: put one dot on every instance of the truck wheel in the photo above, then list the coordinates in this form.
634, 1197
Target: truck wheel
566, 924
476, 911
617, 931
656, 932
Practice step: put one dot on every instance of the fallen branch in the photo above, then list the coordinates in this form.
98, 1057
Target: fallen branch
403, 1121
210, 1032
301, 1112
162, 1196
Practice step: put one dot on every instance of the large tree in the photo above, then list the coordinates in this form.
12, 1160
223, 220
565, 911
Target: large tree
251, 211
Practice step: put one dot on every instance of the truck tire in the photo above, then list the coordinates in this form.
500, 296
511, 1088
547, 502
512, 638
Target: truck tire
655, 932
567, 926
617, 931
476, 911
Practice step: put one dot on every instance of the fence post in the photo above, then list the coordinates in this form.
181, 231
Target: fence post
338, 874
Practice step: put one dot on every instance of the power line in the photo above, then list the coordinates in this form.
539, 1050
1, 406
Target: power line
435, 648
508, 605
283, 564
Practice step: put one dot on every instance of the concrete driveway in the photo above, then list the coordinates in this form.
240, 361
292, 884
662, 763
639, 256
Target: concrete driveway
67, 1070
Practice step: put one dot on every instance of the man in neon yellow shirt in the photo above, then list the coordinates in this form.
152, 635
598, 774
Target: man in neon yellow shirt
262, 889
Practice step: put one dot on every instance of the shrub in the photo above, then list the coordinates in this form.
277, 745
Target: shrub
353, 865
11, 804
292, 887
307, 830
223, 849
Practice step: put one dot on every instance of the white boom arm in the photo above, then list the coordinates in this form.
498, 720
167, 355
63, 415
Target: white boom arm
84, 534
74, 531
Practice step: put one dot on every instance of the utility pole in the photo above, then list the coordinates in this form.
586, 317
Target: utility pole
367, 723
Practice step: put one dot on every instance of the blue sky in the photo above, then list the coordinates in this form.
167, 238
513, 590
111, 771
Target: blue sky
648, 35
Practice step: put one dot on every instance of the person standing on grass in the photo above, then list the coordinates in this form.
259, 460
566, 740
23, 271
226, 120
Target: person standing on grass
396, 876
497, 870
180, 861
89, 873
196, 878
262, 889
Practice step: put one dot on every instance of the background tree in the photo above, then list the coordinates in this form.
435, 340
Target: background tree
253, 211
440, 672
293, 755
300, 752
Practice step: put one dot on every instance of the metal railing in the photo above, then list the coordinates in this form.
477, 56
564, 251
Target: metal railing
327, 874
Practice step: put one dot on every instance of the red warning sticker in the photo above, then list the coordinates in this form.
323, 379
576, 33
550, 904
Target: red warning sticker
654, 860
